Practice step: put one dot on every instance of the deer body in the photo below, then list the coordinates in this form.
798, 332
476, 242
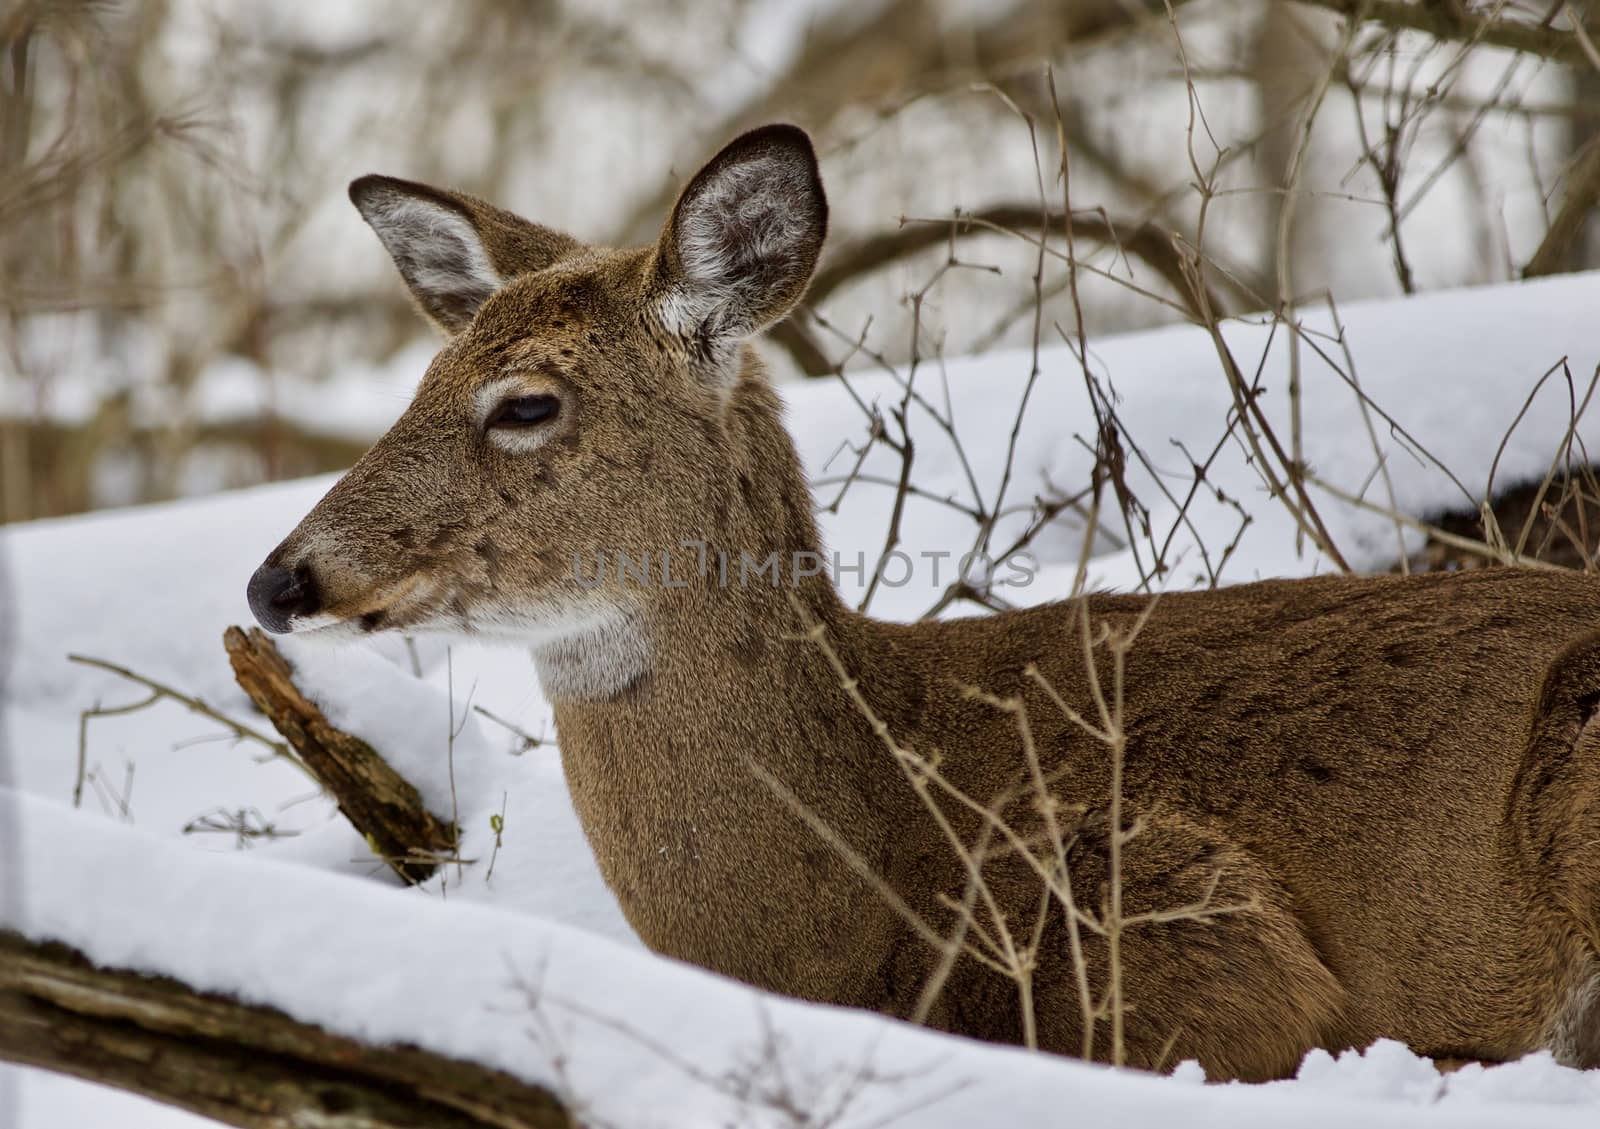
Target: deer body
1389, 784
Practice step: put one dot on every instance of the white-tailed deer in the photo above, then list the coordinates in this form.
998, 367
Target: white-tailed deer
1394, 781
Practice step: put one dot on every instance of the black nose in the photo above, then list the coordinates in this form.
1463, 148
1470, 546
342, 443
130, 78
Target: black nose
277, 595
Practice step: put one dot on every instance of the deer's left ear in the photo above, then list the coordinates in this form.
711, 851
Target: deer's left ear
743, 239
453, 250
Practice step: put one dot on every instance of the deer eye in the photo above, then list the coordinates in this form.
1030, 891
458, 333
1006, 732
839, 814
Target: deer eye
523, 411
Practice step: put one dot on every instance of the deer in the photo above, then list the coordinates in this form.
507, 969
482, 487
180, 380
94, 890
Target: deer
1392, 782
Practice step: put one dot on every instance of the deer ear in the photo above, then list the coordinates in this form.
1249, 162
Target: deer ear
743, 239
435, 245
453, 250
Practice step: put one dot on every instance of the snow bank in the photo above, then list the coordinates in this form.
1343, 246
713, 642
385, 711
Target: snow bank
629, 1027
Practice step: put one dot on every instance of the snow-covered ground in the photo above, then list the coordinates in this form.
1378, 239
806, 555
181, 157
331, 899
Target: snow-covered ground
473, 961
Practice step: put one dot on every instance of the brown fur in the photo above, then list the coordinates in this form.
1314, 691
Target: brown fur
1402, 774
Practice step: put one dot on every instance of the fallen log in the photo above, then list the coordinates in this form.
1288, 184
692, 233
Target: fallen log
240, 1064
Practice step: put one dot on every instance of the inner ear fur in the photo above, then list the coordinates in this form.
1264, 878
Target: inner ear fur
453, 250
741, 244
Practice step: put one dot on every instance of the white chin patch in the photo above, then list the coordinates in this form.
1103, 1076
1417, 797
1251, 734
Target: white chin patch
302, 623
544, 627
586, 652
582, 653
326, 628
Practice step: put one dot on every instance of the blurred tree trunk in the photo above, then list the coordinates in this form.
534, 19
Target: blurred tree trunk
15, 481
1286, 59
1570, 242
1583, 131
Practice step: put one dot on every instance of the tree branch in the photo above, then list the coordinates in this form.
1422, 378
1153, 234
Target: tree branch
844, 63
247, 1066
1145, 241
378, 801
1455, 22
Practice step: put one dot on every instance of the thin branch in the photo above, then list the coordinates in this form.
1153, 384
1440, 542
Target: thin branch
1145, 241
160, 690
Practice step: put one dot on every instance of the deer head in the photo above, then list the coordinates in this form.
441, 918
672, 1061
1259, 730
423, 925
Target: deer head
587, 400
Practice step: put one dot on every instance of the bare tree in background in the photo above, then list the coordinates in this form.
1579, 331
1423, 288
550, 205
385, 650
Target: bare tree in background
172, 171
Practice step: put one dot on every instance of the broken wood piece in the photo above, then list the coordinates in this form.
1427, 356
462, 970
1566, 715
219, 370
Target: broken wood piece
380, 803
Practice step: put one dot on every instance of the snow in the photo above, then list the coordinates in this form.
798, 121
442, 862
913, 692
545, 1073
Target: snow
60, 1102
470, 980
314, 925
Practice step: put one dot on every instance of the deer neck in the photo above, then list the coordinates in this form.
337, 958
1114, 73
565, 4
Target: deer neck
729, 602
715, 659
701, 782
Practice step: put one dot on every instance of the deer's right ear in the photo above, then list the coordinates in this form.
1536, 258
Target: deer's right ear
435, 243
739, 249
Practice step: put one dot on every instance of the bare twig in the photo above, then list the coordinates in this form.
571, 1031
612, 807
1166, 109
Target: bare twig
529, 741
160, 691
